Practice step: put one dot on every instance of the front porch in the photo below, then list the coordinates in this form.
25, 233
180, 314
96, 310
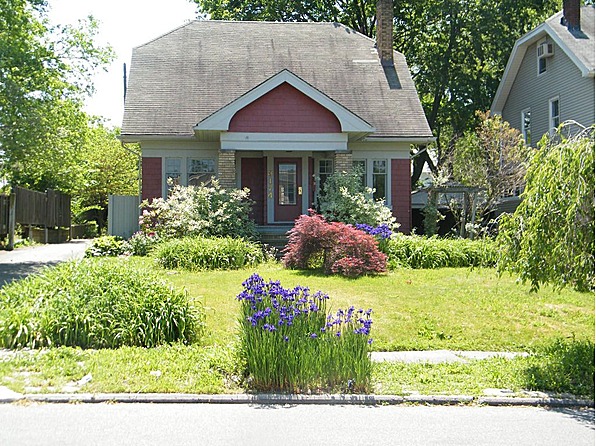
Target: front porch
275, 236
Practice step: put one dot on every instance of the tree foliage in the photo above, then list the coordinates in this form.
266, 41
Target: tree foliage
45, 73
550, 237
493, 157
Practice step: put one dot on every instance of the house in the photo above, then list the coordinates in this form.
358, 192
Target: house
549, 78
275, 107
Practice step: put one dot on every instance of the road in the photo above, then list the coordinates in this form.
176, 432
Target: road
23, 261
239, 424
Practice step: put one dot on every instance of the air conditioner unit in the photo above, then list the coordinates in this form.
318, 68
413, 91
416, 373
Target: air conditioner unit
545, 50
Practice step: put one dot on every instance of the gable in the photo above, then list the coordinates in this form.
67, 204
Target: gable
284, 109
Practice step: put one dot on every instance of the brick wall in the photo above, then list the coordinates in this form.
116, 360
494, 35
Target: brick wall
342, 161
226, 169
152, 181
401, 198
284, 110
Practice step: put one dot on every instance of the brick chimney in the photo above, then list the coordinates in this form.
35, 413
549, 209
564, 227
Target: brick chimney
571, 15
385, 31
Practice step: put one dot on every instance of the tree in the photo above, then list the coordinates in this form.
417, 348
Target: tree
45, 73
492, 157
110, 169
550, 237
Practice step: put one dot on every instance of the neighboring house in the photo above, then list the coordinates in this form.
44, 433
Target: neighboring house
549, 78
275, 107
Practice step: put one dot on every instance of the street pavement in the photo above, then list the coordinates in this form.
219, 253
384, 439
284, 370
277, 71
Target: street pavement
27, 260
218, 424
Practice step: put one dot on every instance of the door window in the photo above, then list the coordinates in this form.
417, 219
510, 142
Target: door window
287, 184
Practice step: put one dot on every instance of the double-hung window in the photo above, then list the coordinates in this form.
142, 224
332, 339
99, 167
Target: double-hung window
379, 179
526, 126
554, 116
173, 172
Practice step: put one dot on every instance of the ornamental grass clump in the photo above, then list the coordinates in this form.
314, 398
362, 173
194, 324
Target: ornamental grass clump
201, 253
95, 303
289, 343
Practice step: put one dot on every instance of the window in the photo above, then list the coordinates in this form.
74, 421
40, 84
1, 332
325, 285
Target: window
324, 171
361, 166
287, 184
541, 65
554, 117
526, 126
379, 179
173, 171
200, 171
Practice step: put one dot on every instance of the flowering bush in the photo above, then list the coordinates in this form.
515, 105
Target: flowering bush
335, 247
346, 200
199, 210
106, 246
141, 244
290, 343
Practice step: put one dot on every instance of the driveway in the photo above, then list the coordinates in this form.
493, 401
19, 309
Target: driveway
27, 260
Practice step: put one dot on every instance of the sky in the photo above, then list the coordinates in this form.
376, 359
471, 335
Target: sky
123, 24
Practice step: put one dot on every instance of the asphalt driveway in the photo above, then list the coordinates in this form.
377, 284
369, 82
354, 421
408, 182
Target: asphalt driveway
27, 260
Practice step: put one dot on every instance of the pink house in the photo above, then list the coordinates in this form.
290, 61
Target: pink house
275, 107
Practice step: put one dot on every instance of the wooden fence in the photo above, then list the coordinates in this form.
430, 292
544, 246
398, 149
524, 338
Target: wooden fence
31, 208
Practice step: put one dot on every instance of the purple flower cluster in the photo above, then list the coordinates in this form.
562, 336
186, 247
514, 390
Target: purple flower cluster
381, 232
271, 307
277, 306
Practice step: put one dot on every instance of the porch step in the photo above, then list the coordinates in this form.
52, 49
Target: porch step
274, 236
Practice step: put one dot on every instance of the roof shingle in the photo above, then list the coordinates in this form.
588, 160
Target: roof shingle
186, 75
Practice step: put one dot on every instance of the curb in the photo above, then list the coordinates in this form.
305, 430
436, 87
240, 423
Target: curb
283, 399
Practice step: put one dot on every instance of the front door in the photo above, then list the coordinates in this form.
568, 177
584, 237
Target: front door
288, 189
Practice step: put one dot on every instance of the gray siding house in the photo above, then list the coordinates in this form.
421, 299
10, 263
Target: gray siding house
549, 78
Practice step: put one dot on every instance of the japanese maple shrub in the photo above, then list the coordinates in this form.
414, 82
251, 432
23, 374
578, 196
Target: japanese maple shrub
335, 247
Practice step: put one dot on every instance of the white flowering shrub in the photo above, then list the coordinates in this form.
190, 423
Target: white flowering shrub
209, 211
346, 200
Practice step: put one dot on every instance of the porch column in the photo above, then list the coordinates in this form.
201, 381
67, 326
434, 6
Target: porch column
226, 169
342, 161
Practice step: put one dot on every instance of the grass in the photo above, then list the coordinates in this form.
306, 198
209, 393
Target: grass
448, 308
458, 309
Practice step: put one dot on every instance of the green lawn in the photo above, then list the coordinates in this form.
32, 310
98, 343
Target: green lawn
458, 309
448, 308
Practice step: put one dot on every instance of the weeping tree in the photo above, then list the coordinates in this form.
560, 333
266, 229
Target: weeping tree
550, 237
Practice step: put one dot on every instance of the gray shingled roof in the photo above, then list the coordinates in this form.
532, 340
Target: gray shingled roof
184, 76
582, 43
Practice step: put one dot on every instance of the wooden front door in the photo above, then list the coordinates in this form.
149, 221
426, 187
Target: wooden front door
288, 189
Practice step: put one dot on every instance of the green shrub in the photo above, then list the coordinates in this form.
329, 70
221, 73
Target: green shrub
106, 246
141, 244
288, 342
95, 303
200, 253
563, 366
433, 252
208, 211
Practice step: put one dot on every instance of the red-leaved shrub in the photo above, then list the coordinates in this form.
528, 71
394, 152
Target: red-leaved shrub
335, 247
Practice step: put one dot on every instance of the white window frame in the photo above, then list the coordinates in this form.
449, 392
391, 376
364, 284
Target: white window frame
527, 137
368, 166
551, 118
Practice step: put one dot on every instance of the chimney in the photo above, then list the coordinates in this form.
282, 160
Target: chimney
571, 15
385, 31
